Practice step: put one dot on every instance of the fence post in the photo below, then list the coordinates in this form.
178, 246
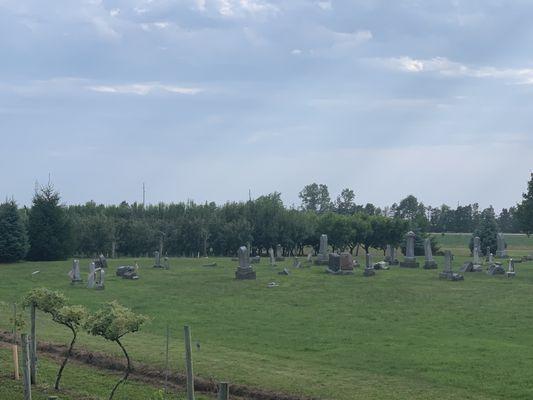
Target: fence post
26, 366
15, 347
33, 347
223, 391
188, 363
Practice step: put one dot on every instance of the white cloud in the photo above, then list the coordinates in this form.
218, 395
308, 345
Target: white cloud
114, 12
325, 5
143, 89
242, 8
444, 66
296, 52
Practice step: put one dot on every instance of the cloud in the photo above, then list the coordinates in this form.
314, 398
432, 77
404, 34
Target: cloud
143, 89
324, 5
446, 67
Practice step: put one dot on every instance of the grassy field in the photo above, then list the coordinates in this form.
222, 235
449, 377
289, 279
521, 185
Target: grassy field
402, 334
518, 244
83, 383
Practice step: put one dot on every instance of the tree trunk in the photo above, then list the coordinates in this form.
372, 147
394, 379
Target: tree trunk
128, 369
69, 353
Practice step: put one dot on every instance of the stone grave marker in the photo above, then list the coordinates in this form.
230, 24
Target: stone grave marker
511, 273
428, 253
91, 276
322, 257
501, 252
346, 263
244, 270
448, 273
410, 259
279, 253
75, 275
99, 279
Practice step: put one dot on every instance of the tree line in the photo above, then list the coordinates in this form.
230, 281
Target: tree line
49, 230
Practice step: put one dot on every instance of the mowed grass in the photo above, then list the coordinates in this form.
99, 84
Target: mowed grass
518, 244
81, 383
403, 334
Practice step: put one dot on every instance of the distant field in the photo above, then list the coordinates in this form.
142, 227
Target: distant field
518, 244
402, 334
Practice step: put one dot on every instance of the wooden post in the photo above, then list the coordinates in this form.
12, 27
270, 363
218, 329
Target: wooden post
15, 347
167, 359
223, 391
188, 363
33, 347
26, 366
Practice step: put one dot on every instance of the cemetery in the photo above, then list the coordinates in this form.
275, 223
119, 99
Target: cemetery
284, 299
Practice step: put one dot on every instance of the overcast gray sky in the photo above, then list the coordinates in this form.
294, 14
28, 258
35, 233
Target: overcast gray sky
207, 99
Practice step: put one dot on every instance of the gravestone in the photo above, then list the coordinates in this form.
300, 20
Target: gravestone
390, 255
428, 253
410, 259
296, 263
477, 251
334, 264
127, 272
501, 252
346, 263
381, 265
99, 279
166, 263
323, 256
369, 267
511, 273
244, 270
255, 260
448, 273
157, 256
91, 277
271, 256
100, 262
279, 253
285, 271
496, 269
75, 275
310, 258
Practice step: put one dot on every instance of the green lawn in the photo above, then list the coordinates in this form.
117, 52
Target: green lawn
518, 244
402, 334
81, 383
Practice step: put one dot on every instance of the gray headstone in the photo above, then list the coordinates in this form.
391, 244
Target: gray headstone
271, 255
410, 260
323, 255
501, 252
75, 274
477, 250
91, 276
244, 270
428, 253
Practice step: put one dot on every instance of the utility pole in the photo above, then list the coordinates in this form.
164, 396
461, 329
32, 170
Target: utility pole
144, 195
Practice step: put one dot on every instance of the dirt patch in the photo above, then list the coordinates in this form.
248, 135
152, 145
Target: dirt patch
151, 375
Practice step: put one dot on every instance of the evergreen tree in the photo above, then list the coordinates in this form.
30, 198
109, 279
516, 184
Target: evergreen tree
487, 231
48, 227
13, 236
524, 210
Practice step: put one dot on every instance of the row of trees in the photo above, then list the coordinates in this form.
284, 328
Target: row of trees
50, 231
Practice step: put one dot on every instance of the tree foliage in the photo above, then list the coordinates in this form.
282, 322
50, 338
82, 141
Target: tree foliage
13, 236
524, 210
49, 228
112, 322
55, 304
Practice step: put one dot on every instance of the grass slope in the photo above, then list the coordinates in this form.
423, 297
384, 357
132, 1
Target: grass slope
402, 334
80, 382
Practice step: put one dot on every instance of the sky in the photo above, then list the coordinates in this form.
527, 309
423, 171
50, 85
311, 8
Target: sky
211, 100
